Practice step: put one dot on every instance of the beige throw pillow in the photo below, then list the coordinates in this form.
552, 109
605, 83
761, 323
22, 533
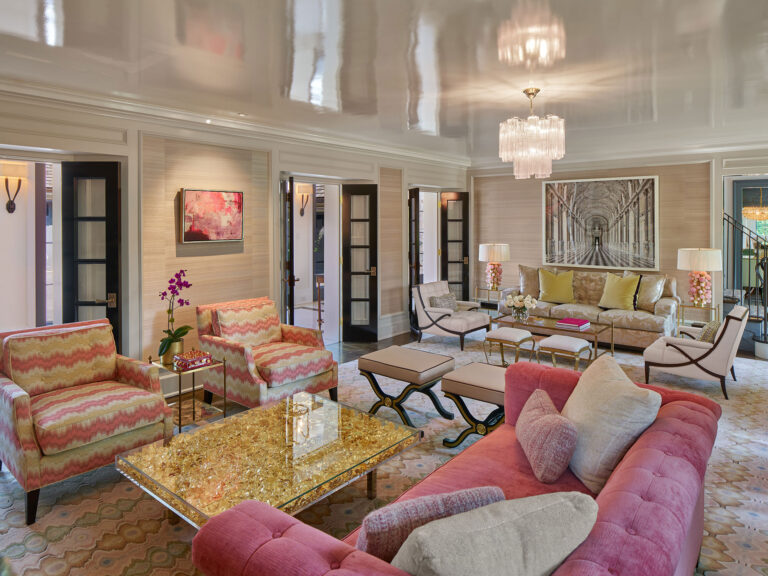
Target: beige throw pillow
650, 291
609, 412
522, 537
529, 280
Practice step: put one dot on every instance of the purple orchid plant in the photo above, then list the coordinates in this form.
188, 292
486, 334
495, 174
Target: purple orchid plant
173, 295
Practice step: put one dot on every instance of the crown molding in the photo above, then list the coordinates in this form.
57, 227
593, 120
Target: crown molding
112, 107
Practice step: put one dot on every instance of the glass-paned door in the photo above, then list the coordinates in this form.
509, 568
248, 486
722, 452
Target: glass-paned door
414, 251
359, 258
288, 277
454, 236
91, 242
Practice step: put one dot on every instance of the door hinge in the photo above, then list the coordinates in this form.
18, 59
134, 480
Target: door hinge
439, 252
341, 260
341, 321
466, 259
112, 300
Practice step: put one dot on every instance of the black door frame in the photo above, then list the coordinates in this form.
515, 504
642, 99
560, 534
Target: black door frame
414, 252
287, 276
110, 173
444, 262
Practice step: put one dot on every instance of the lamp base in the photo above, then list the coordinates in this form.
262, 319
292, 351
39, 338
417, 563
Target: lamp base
493, 275
700, 288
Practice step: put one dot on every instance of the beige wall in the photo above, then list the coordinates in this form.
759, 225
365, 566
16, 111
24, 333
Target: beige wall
509, 210
217, 271
391, 249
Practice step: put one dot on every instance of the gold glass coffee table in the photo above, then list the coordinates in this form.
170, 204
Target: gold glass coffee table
290, 455
548, 326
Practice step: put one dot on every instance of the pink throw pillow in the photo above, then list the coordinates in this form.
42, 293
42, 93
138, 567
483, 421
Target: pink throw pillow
548, 439
386, 529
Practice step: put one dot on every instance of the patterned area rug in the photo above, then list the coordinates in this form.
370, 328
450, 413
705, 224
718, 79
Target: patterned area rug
100, 523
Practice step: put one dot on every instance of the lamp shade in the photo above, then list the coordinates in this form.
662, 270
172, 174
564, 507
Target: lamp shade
493, 253
700, 259
13, 169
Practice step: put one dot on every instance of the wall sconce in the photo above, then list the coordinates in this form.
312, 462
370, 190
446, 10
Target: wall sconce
11, 171
304, 198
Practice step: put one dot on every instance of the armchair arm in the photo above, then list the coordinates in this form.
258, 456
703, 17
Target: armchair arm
666, 306
466, 306
694, 346
689, 332
18, 445
299, 335
138, 374
239, 357
261, 540
438, 313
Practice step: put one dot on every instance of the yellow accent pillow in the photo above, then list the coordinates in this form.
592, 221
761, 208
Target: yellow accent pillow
620, 293
556, 288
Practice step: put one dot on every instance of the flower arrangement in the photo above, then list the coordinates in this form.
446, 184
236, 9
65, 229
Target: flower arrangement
700, 289
521, 305
175, 286
493, 275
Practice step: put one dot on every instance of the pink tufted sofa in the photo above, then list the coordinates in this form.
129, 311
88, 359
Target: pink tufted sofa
651, 510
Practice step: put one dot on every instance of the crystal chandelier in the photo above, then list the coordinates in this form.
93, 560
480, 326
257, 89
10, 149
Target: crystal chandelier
755, 212
532, 143
532, 37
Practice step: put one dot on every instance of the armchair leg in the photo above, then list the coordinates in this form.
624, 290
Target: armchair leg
420, 333
722, 385
334, 393
461, 341
647, 373
31, 505
733, 373
207, 396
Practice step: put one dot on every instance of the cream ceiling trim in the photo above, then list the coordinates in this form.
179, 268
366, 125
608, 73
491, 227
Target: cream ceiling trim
24, 92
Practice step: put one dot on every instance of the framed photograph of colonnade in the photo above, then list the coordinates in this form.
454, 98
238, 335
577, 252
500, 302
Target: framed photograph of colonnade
602, 223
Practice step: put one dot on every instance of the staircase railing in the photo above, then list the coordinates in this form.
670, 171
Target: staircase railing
745, 271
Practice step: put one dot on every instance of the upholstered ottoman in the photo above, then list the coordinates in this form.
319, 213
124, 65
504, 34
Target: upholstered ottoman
483, 382
568, 346
512, 337
419, 370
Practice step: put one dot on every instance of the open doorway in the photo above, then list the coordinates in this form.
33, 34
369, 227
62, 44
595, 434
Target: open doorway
30, 229
316, 249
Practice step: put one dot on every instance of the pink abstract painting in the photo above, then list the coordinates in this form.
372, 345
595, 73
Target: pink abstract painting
212, 216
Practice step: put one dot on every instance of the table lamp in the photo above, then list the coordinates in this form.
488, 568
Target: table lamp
700, 262
494, 254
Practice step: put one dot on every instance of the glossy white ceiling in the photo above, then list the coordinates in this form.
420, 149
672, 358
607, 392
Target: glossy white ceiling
639, 77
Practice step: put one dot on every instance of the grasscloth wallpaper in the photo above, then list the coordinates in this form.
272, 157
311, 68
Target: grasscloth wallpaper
509, 210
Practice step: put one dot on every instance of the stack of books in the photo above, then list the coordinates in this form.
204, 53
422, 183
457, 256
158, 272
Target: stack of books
573, 324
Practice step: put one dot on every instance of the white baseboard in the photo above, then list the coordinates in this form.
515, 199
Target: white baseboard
393, 324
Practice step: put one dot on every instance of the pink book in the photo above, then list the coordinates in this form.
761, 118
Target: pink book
573, 321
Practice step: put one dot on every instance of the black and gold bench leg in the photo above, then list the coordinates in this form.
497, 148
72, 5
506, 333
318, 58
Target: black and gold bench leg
396, 402
481, 427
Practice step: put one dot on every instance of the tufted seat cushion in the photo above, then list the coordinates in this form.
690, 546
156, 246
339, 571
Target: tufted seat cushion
633, 319
281, 363
564, 343
584, 311
462, 321
81, 415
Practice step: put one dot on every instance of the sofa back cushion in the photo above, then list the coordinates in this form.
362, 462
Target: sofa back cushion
254, 323
556, 287
650, 290
609, 412
48, 360
547, 438
588, 286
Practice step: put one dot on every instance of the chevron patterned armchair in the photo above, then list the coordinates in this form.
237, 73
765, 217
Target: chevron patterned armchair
266, 361
69, 403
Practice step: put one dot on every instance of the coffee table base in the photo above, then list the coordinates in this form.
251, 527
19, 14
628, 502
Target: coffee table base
396, 402
481, 427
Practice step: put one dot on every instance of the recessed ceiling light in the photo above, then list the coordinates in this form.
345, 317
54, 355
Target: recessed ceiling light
208, 121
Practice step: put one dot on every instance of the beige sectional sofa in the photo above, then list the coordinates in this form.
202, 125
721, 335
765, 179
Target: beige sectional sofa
654, 318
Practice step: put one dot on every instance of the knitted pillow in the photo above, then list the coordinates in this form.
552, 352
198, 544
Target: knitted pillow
709, 331
548, 439
443, 301
384, 530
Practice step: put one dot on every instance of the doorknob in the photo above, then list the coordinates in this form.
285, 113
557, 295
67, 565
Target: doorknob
111, 300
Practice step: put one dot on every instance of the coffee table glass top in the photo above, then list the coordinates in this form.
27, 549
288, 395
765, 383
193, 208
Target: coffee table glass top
549, 324
289, 455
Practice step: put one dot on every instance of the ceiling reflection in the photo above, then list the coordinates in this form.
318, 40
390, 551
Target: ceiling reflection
429, 74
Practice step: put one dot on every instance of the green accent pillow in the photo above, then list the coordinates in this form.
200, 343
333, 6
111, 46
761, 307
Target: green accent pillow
556, 288
620, 293
709, 331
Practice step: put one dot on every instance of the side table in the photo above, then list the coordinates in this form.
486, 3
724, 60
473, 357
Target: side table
214, 364
713, 313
